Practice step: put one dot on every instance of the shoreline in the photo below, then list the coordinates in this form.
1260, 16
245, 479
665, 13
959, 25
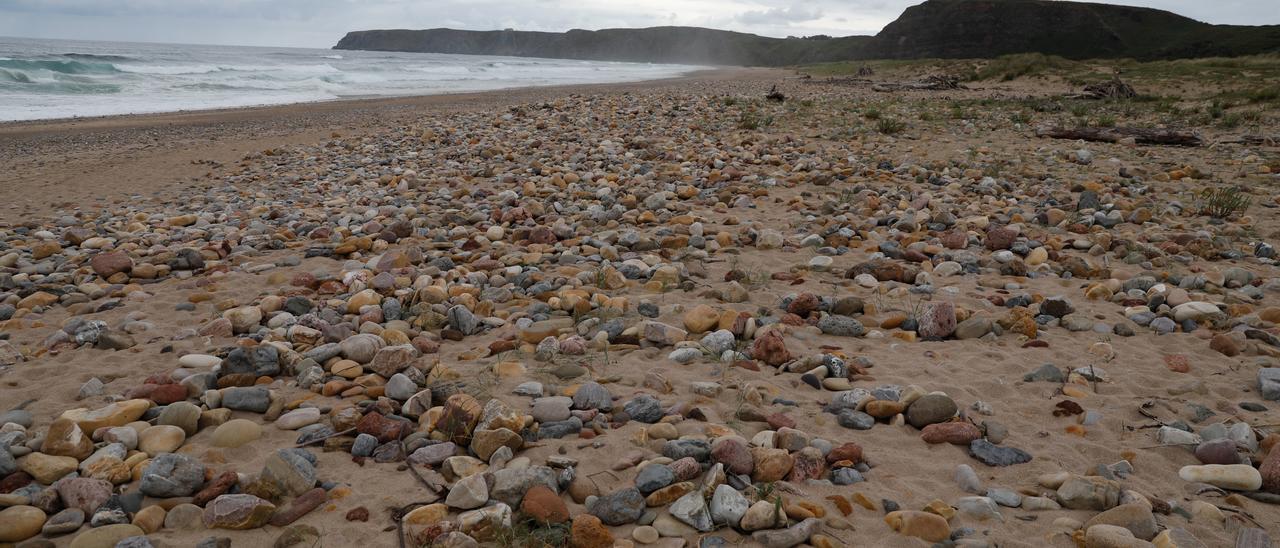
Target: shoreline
16, 127
69, 166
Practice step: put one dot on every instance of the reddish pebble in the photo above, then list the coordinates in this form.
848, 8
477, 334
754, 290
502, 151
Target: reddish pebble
778, 420
849, 451
166, 394
959, 433
381, 427
359, 513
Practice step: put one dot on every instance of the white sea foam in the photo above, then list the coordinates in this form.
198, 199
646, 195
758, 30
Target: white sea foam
39, 79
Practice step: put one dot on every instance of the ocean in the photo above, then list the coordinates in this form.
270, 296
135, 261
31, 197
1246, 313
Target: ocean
44, 79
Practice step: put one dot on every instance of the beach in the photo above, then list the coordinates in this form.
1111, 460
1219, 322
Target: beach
857, 302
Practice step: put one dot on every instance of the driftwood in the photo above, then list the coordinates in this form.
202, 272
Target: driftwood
1253, 140
931, 83
1113, 89
775, 95
1146, 136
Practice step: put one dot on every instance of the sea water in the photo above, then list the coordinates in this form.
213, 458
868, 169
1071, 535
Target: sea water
43, 79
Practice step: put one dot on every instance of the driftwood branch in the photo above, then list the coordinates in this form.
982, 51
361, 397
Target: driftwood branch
1146, 136
1254, 140
931, 83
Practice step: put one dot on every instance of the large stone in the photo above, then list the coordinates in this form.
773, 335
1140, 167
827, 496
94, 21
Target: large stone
116, 414
172, 475
19, 523
1237, 477
256, 399
236, 432
237, 512
511, 484
728, 505
997, 455
109, 264
544, 505
259, 361
937, 320
161, 438
47, 469
291, 470
588, 532
791, 536
619, 507
65, 439
390, 360
931, 409
1269, 383
923, 525
1135, 517
468, 493
1089, 493
592, 395
770, 348
692, 510
107, 536
83, 493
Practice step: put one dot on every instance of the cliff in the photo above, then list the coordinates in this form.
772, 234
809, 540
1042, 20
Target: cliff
935, 28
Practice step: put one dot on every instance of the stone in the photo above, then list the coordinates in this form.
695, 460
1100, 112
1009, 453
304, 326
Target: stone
235, 433
291, 470
84, 494
997, 455
958, 433
770, 348
937, 320
1089, 493
61, 523
1111, 536
588, 532
645, 534
256, 399
237, 512
260, 361
116, 414
510, 484
150, 519
619, 507
468, 493
544, 505
245, 319
19, 523
734, 454
1269, 383
47, 469
592, 395
654, 477
1136, 517
485, 442
65, 439
298, 418
109, 264
728, 506
184, 415
691, 509
923, 525
841, 326
172, 475
644, 408
791, 536
1236, 477
107, 536
930, 409
160, 439
973, 328
764, 514
700, 319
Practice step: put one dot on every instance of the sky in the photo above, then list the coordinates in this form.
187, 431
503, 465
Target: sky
320, 23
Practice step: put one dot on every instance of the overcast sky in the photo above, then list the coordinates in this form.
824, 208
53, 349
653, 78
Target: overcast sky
320, 23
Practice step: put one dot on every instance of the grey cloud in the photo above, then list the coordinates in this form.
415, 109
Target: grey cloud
790, 14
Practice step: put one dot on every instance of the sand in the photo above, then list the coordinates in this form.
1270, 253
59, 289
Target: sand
64, 167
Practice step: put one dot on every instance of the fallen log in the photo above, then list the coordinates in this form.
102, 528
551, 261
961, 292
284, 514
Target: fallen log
1146, 136
931, 83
